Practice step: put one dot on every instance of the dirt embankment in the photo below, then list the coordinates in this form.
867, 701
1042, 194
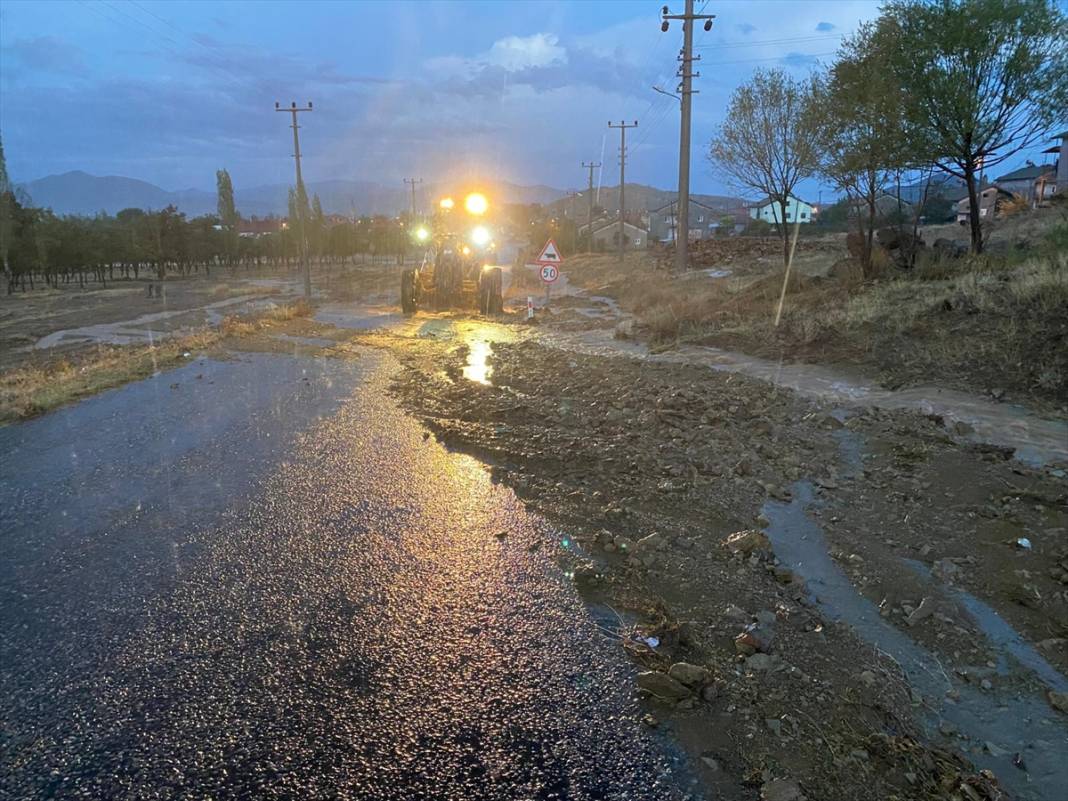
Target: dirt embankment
652, 468
995, 325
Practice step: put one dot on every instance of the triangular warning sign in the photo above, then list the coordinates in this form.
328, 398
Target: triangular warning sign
550, 254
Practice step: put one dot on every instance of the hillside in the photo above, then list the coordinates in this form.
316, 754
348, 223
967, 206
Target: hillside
640, 196
79, 192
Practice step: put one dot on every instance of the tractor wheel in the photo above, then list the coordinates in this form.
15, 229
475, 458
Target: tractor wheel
408, 291
495, 291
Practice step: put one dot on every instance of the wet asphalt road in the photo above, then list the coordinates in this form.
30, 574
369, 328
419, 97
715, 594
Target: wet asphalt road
256, 579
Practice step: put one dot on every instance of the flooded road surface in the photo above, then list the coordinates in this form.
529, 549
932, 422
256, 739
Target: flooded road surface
146, 329
257, 579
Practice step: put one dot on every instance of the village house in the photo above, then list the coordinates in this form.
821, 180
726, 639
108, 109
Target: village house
704, 221
990, 200
606, 234
1033, 182
770, 211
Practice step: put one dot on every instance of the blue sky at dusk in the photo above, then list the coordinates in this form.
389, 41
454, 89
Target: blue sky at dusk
522, 91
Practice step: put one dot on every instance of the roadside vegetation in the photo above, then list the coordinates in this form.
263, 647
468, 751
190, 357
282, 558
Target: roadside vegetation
33, 389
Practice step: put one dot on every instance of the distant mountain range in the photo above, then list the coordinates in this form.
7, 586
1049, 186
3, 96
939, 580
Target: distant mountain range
79, 192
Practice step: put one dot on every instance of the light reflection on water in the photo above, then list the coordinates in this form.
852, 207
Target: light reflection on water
476, 369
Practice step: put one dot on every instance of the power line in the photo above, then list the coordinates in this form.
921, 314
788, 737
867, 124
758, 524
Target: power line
413, 182
768, 58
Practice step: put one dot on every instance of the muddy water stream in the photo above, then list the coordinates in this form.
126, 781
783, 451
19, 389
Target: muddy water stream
992, 726
1037, 440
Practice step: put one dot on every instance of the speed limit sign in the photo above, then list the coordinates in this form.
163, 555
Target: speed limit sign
549, 273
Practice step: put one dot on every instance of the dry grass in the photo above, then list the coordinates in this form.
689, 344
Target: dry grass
34, 389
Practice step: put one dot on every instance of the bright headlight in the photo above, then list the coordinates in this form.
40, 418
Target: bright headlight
480, 236
476, 203
422, 234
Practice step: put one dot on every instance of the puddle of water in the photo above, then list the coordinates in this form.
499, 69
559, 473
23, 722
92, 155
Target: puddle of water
315, 342
477, 369
1001, 634
347, 315
1019, 724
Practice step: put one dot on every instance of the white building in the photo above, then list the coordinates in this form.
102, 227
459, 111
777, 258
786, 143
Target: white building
770, 211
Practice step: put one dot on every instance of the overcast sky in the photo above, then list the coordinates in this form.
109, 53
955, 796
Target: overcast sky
521, 91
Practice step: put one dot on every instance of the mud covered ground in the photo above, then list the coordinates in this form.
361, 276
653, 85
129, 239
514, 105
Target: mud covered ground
844, 588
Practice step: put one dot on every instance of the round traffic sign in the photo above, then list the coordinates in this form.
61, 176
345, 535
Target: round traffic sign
549, 273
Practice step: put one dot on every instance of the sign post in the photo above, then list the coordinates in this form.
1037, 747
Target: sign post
549, 260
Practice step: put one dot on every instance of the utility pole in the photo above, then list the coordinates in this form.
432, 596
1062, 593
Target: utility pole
687, 58
301, 195
622, 179
589, 191
413, 182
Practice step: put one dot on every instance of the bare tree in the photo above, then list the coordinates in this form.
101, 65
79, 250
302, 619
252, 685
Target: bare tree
769, 140
980, 80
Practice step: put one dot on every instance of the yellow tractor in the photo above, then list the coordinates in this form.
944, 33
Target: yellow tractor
457, 271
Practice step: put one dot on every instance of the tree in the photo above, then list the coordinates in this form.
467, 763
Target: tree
769, 141
7, 218
228, 216
980, 80
861, 124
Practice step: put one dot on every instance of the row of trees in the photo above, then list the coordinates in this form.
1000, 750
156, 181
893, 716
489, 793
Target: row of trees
931, 86
38, 246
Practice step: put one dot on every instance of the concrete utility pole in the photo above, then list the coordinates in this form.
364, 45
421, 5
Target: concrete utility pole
589, 191
413, 182
682, 230
622, 180
301, 193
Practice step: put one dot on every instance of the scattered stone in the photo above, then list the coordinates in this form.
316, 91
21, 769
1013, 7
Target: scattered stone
868, 678
650, 720
921, 612
947, 729
1058, 700
746, 542
711, 763
760, 662
781, 790
662, 685
691, 675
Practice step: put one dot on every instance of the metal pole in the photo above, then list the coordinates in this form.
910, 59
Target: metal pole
622, 181
589, 219
686, 73
301, 195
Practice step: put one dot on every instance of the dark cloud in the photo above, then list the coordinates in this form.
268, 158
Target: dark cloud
49, 54
826, 27
745, 28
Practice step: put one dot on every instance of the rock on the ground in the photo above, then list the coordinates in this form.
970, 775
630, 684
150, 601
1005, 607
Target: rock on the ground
1058, 700
781, 790
691, 675
662, 685
745, 542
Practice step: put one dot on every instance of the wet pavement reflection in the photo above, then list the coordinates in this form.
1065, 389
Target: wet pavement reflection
285, 591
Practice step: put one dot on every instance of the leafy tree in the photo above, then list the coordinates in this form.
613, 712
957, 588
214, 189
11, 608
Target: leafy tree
861, 125
228, 215
980, 80
769, 142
